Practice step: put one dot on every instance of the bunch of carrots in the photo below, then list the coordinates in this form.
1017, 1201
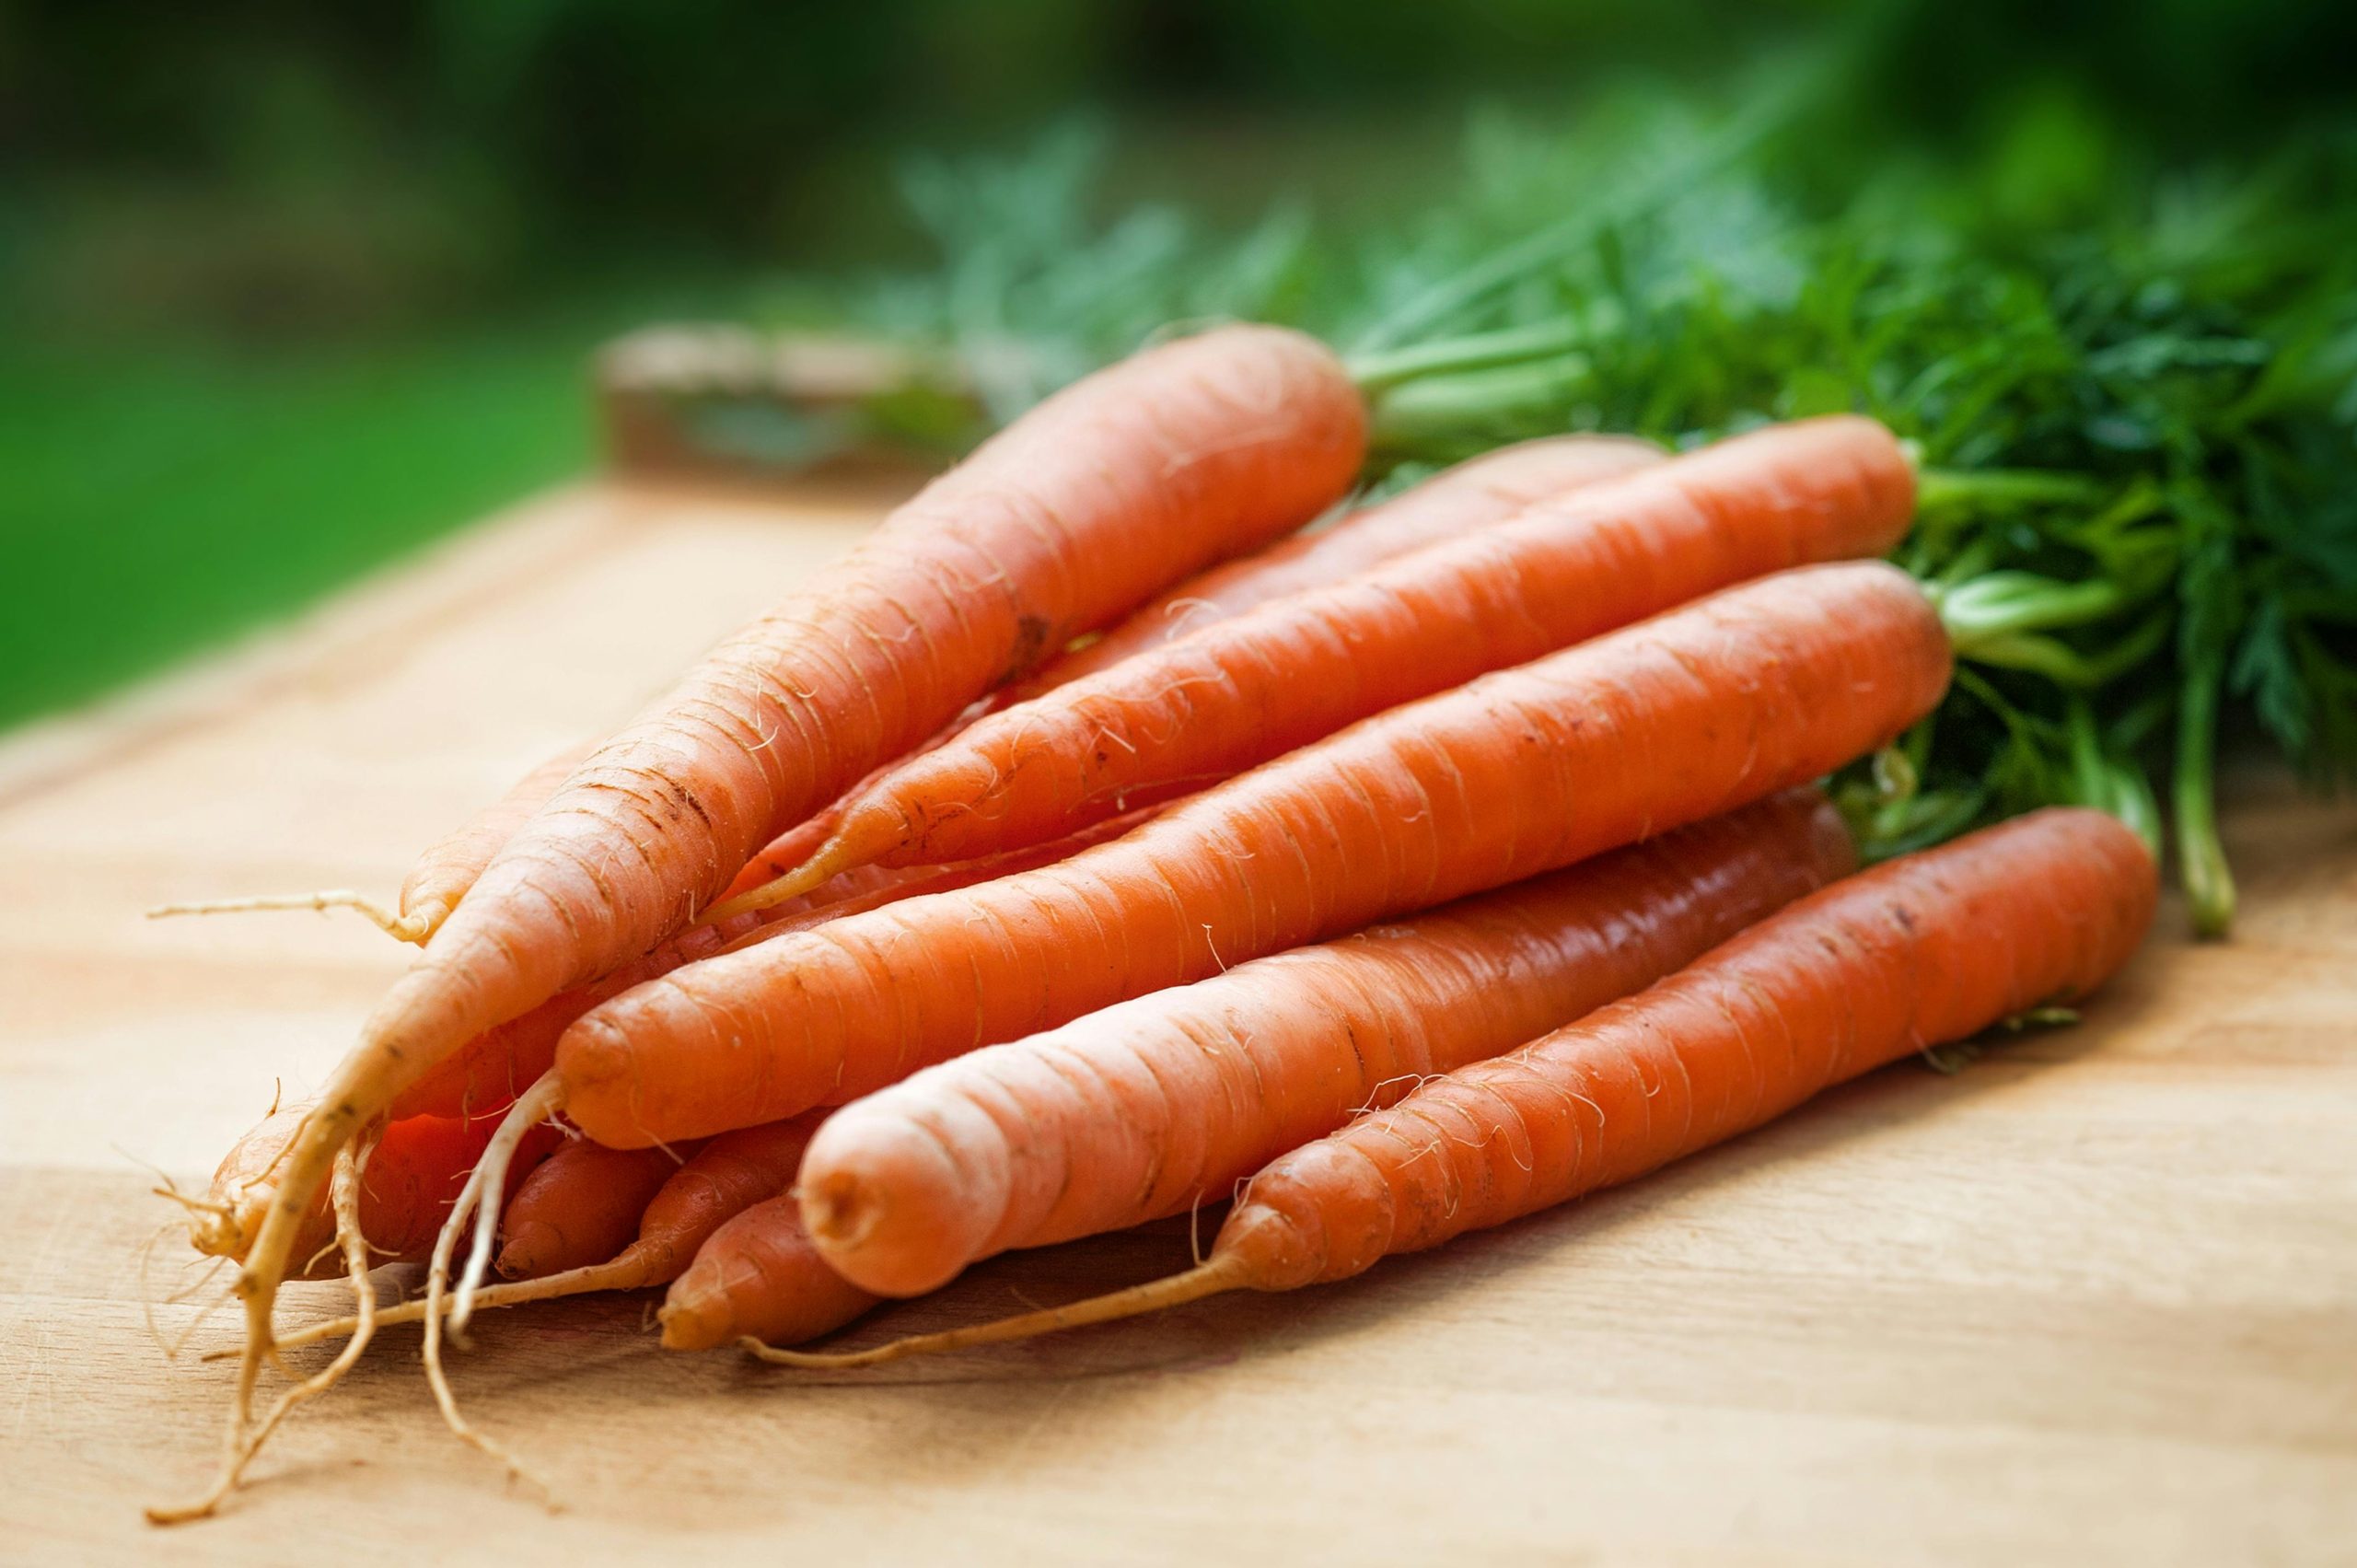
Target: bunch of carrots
1093, 844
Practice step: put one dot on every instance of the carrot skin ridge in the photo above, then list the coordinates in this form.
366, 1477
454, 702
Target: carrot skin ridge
1158, 1104
1296, 668
1701, 710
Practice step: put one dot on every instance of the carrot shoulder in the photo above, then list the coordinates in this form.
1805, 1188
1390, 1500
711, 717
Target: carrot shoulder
1165, 1102
1696, 713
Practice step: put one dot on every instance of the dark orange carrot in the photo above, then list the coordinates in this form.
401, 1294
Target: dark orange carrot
758, 1275
1698, 712
1919, 951
406, 1185
1167, 1101
1453, 502
581, 1206
1254, 687
1099, 498
727, 1176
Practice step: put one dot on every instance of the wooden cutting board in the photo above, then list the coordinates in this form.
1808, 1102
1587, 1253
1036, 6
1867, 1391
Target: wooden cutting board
2094, 1299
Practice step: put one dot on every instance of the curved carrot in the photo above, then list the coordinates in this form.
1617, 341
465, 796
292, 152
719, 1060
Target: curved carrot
1158, 1104
442, 874
1454, 501
1103, 495
758, 1275
727, 1176
581, 1206
487, 1074
1919, 951
1698, 712
1257, 686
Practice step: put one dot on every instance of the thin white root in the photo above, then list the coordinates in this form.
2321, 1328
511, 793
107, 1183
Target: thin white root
528, 1111
401, 927
628, 1272
345, 1197
832, 858
1221, 1273
539, 1103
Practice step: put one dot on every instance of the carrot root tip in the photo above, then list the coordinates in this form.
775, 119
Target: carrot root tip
413, 927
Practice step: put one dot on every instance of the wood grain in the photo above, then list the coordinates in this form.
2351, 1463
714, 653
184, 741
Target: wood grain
2094, 1299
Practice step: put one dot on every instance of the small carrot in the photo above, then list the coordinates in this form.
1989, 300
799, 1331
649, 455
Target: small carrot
1259, 685
1163, 1102
442, 874
1451, 503
1695, 712
760, 1276
727, 1176
1920, 951
581, 1206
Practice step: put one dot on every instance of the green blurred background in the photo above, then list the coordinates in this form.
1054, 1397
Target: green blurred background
288, 289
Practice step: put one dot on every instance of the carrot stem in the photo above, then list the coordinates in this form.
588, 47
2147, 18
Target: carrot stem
1378, 372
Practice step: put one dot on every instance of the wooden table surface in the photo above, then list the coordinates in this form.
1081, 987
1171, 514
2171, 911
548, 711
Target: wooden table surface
2094, 1299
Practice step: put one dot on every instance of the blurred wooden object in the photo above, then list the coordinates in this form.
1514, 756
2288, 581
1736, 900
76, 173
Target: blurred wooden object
2094, 1299
728, 403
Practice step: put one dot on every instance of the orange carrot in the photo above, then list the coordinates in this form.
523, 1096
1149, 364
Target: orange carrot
1151, 1107
581, 1206
1698, 712
1454, 501
1919, 951
442, 874
1262, 684
407, 1183
727, 1176
758, 1275
484, 1078
1075, 514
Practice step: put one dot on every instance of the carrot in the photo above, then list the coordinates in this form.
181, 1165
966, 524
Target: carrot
1106, 492
581, 1206
1262, 684
405, 1186
442, 874
1156, 1105
1920, 951
486, 1075
721, 1180
1452, 502
1696, 713
760, 1276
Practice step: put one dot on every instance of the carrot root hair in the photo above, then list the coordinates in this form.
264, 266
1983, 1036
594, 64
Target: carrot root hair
480, 1192
412, 928
627, 1271
832, 858
343, 1196
1213, 1278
